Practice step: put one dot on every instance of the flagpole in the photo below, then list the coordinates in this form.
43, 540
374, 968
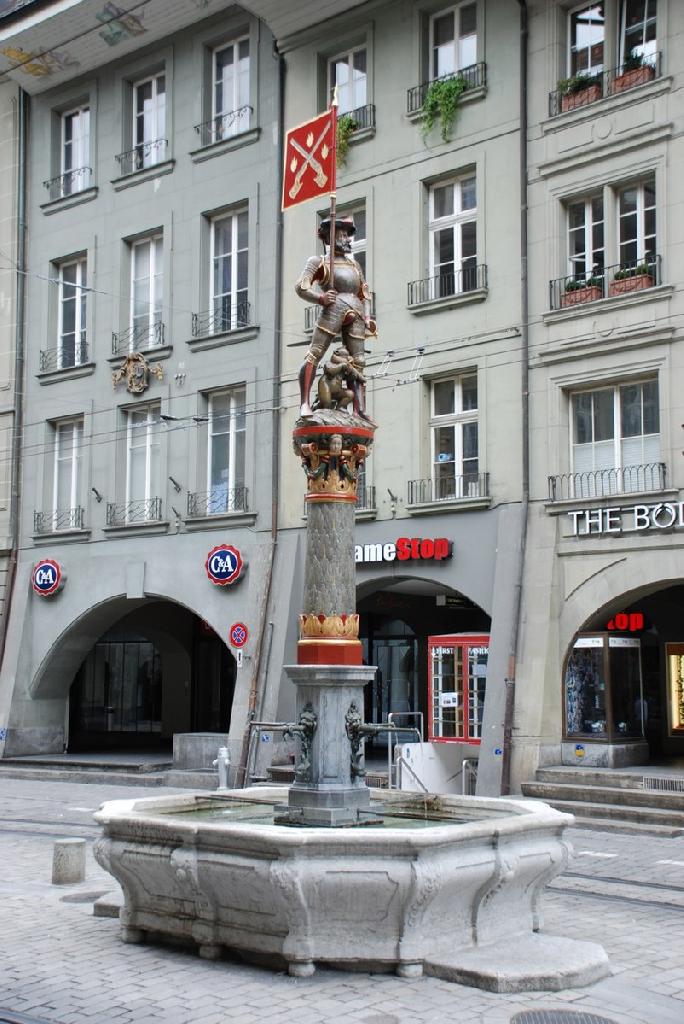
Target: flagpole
333, 190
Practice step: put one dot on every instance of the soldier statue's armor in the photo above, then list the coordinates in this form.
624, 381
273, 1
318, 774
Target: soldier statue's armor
345, 309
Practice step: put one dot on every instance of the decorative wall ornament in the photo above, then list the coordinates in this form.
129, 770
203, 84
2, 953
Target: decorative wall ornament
118, 24
136, 370
39, 65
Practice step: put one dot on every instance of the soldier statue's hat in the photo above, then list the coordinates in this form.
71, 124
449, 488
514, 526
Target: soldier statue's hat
341, 223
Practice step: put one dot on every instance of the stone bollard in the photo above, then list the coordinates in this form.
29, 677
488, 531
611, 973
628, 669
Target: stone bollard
68, 861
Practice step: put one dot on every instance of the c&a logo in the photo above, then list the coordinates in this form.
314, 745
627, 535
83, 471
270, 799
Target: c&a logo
224, 565
46, 578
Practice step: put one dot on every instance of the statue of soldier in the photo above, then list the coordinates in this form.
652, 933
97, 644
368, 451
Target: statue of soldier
346, 310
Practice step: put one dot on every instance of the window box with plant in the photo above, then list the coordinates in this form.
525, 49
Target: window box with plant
637, 70
632, 279
579, 91
583, 290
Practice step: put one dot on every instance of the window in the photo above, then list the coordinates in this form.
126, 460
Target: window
453, 437
142, 464
149, 122
146, 328
637, 220
348, 72
638, 29
71, 336
587, 39
453, 40
66, 490
453, 236
586, 244
75, 168
457, 686
230, 89
226, 452
615, 431
229, 270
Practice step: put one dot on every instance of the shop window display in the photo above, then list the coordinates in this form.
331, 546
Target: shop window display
603, 689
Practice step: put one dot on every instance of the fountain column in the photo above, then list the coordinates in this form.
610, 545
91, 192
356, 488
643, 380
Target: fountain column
329, 787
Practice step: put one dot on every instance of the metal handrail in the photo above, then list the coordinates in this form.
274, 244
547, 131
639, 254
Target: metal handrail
218, 128
58, 519
601, 483
474, 75
401, 760
137, 337
52, 359
469, 767
588, 88
139, 158
445, 286
419, 732
601, 282
219, 321
70, 183
217, 501
470, 485
145, 510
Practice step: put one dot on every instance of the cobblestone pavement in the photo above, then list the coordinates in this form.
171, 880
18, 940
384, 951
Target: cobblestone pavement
60, 964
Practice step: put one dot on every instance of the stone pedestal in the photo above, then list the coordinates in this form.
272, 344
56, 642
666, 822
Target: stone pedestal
329, 787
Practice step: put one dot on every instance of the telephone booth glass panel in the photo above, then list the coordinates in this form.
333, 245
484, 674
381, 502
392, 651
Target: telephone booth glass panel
457, 679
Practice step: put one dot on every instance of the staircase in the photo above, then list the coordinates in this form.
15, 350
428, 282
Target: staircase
614, 800
106, 771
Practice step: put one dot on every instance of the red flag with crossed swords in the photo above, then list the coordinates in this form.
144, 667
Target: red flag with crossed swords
310, 159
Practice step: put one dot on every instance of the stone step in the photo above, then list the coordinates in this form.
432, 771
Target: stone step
74, 763
627, 828
612, 777
61, 774
618, 795
620, 812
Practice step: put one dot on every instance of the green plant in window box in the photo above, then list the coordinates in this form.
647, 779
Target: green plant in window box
633, 61
575, 284
643, 269
346, 126
577, 83
441, 103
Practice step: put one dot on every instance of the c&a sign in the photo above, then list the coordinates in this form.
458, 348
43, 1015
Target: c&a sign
224, 565
47, 577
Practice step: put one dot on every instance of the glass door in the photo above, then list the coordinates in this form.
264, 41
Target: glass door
457, 679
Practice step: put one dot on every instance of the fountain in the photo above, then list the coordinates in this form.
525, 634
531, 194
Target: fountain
326, 871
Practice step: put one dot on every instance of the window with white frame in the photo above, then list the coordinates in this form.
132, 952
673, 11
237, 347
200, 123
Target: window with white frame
454, 437
348, 71
75, 156
149, 121
66, 482
146, 327
230, 89
143, 463
587, 40
72, 349
226, 452
453, 39
637, 222
638, 36
229, 271
452, 231
615, 438
586, 242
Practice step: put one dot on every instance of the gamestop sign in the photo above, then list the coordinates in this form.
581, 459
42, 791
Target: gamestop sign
405, 549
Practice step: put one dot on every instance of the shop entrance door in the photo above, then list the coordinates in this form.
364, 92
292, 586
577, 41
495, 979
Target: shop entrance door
213, 683
395, 688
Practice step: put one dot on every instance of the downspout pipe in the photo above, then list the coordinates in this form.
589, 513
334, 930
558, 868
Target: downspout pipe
20, 314
261, 671
509, 706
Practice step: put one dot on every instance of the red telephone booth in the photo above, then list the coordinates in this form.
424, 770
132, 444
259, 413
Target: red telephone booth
457, 680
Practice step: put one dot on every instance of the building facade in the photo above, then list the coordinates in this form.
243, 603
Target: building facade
147, 490
601, 635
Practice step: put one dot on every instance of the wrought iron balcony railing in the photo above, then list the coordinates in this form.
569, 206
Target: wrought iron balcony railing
365, 497
474, 76
218, 501
602, 483
224, 126
145, 154
58, 519
70, 183
584, 89
223, 317
470, 485
311, 313
605, 282
362, 117
138, 337
444, 286
128, 513
63, 358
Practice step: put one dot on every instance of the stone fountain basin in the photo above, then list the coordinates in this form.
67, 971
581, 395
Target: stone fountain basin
457, 895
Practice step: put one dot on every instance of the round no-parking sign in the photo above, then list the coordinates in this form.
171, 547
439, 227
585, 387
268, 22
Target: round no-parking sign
239, 634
